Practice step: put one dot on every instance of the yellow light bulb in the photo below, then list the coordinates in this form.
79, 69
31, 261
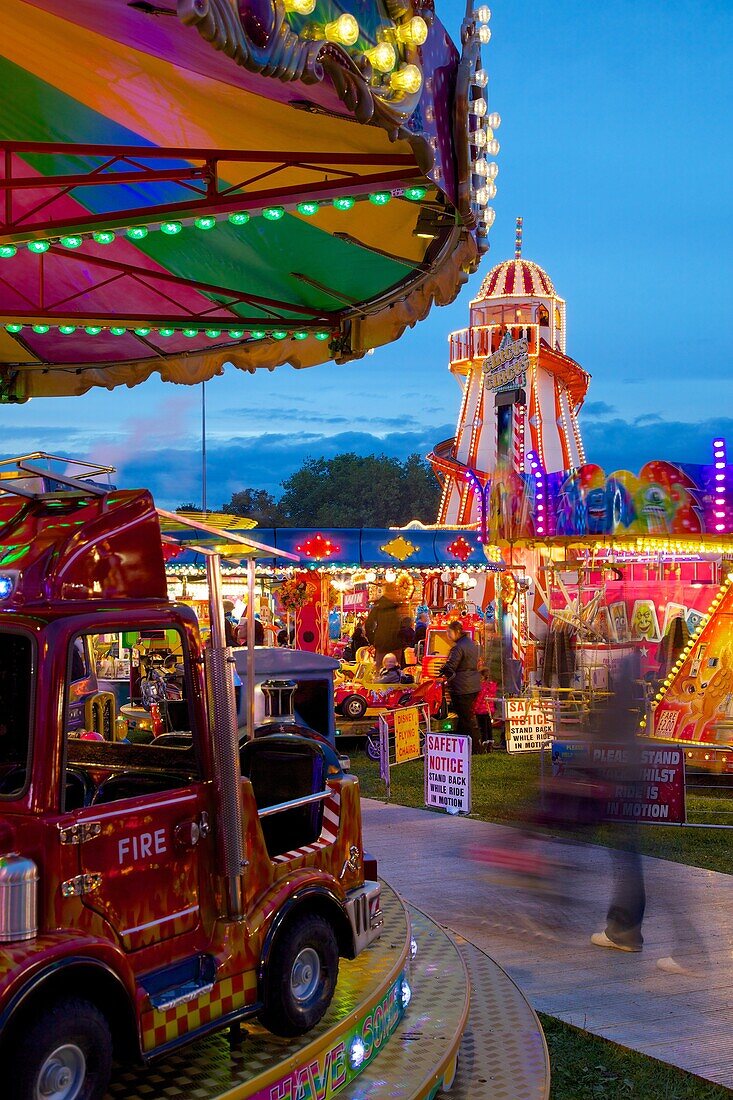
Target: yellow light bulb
414, 32
301, 7
382, 57
407, 78
345, 30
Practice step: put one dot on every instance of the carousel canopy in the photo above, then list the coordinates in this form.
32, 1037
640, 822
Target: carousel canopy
247, 181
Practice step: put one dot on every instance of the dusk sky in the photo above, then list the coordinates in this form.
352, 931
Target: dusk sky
616, 149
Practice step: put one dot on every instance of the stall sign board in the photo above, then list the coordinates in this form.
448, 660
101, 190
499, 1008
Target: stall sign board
530, 724
643, 783
407, 734
356, 601
448, 772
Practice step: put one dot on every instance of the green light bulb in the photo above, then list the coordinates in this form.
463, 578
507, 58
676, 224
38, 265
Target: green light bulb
239, 217
206, 221
171, 228
279, 333
38, 246
117, 331
380, 198
93, 330
212, 333
142, 331
415, 194
67, 329
273, 213
322, 335
104, 236
257, 334
7, 250
190, 332
14, 328
308, 208
300, 335
40, 328
73, 241
344, 202
166, 332
236, 333
137, 232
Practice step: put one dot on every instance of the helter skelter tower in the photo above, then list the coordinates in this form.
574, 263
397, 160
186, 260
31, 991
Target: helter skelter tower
521, 391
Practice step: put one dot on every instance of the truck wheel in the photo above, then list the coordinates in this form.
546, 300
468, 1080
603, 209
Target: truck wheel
66, 1054
354, 707
301, 976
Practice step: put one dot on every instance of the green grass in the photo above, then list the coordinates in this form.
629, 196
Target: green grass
502, 784
586, 1067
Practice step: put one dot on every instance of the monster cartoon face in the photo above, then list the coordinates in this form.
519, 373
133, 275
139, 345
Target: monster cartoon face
644, 622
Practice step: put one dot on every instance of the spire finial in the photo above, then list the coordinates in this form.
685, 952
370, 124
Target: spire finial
518, 240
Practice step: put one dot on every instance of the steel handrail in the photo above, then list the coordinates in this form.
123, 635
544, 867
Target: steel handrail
293, 804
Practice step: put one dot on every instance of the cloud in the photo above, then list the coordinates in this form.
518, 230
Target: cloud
622, 444
260, 462
597, 408
286, 414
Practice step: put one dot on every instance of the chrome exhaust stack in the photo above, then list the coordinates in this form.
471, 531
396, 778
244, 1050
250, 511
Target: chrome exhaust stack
225, 738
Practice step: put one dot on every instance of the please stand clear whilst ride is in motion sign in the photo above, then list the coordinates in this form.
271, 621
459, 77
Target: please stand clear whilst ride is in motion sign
529, 724
448, 772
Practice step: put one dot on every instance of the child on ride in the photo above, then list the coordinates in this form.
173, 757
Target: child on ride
484, 708
390, 672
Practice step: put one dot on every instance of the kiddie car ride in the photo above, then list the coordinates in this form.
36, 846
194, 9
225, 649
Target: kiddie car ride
354, 699
149, 892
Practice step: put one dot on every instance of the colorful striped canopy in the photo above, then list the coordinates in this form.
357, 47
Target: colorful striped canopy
221, 181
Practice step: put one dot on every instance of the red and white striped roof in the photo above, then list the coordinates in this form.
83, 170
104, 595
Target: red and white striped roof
516, 278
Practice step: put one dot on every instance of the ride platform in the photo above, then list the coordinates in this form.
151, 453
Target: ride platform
397, 1027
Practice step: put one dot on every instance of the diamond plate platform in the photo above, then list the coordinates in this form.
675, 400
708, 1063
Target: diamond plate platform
502, 1051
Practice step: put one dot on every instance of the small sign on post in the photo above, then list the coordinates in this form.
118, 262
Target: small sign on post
406, 734
448, 772
530, 724
401, 734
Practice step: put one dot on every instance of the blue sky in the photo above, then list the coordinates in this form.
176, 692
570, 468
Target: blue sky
616, 150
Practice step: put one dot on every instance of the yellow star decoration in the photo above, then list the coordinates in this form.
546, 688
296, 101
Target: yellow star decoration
400, 548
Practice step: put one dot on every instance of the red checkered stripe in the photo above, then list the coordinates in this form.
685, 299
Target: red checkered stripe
228, 995
329, 830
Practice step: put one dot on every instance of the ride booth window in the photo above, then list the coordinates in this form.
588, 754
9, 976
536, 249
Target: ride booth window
16, 680
132, 734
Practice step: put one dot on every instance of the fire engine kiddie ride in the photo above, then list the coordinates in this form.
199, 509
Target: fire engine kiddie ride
151, 892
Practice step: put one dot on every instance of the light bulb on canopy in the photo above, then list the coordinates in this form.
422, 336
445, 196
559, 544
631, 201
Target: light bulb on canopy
483, 14
382, 57
407, 78
300, 7
484, 35
412, 33
494, 120
344, 30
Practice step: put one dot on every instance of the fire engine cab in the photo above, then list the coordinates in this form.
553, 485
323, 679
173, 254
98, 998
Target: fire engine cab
155, 887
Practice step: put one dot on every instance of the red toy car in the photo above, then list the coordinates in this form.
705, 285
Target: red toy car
354, 699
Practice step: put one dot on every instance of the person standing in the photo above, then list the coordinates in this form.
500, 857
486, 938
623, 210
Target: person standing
484, 709
464, 682
407, 637
382, 626
421, 628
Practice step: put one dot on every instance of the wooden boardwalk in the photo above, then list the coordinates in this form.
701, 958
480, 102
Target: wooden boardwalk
542, 940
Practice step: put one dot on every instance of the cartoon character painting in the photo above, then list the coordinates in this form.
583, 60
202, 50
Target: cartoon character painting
644, 622
619, 621
666, 501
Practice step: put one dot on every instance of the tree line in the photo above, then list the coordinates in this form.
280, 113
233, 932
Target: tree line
346, 491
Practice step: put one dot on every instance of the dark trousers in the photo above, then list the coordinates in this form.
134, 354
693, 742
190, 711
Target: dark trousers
626, 912
485, 729
467, 725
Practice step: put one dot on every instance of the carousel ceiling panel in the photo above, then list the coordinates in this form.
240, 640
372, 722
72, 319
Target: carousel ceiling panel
168, 207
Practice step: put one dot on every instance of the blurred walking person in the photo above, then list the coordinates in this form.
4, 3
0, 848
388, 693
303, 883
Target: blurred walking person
464, 682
